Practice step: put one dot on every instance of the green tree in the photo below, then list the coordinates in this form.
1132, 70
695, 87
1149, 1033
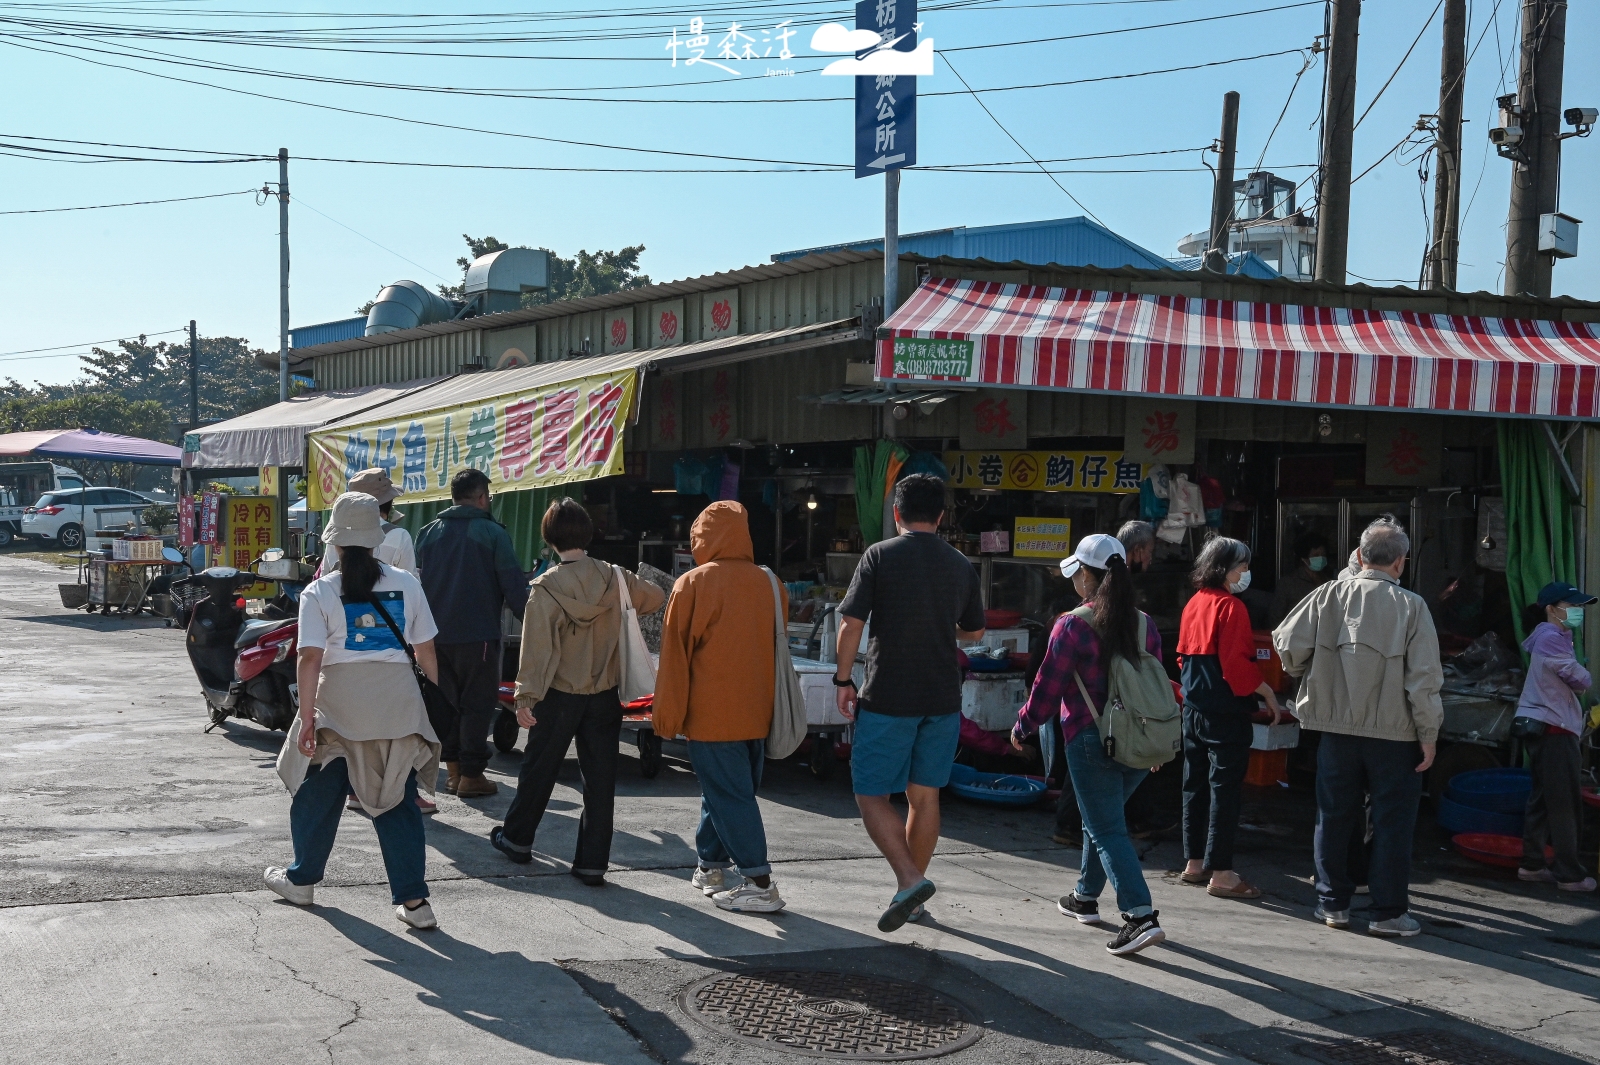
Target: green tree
231, 381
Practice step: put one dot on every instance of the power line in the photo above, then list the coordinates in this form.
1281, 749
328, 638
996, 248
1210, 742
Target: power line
1018, 143
133, 203
91, 343
301, 201
1396, 72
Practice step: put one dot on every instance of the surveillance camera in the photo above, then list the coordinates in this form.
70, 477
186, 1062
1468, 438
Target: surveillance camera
1505, 136
1581, 116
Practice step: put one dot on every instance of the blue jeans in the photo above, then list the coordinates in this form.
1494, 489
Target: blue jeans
730, 832
314, 822
1347, 766
1103, 787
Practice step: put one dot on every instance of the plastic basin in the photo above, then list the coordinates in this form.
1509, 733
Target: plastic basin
1492, 849
995, 788
1503, 791
1456, 818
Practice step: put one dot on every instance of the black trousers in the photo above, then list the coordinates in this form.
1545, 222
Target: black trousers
1347, 768
469, 676
595, 721
1216, 756
1554, 810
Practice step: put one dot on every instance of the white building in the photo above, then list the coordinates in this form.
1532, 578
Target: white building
1266, 221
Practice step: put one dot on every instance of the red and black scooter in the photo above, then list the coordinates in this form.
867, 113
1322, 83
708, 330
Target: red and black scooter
246, 667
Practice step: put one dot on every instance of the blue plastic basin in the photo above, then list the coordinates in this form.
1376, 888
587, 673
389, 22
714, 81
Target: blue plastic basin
1456, 818
995, 788
1503, 791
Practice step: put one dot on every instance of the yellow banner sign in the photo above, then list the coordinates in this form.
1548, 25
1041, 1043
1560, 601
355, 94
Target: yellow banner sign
1044, 471
249, 527
1042, 538
553, 434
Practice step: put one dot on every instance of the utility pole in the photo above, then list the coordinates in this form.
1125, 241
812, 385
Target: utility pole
283, 274
1216, 259
1444, 251
1339, 118
194, 376
1536, 177
891, 241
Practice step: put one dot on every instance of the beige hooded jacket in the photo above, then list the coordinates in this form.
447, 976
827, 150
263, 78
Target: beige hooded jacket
570, 629
1368, 658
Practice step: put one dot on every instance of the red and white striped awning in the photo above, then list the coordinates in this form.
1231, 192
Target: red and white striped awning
1029, 336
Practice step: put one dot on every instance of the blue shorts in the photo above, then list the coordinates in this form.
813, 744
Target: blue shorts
890, 752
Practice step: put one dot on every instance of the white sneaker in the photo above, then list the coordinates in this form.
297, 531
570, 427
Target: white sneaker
747, 898
278, 880
709, 881
421, 917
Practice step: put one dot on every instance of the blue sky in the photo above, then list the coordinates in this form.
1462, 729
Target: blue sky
83, 276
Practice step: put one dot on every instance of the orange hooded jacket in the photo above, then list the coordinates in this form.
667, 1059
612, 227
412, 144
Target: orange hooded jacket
715, 680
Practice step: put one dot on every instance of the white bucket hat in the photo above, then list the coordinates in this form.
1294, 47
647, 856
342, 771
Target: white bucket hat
355, 522
1095, 550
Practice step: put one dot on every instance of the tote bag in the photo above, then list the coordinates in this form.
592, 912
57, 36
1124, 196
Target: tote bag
638, 672
788, 702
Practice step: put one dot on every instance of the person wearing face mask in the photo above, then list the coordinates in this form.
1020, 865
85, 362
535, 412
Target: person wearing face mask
1138, 539
1549, 721
1312, 551
1217, 654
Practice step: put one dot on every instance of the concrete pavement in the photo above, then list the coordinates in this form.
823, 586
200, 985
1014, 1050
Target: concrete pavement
133, 928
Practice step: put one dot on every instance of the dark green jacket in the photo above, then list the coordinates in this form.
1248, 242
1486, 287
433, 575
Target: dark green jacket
468, 569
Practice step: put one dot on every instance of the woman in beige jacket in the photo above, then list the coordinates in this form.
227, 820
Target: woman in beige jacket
567, 689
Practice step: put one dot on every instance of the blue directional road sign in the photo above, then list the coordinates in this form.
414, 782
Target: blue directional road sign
886, 104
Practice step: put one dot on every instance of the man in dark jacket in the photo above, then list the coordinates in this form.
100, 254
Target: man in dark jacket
468, 570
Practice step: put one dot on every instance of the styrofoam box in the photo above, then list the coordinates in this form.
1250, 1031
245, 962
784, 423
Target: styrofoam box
136, 550
1014, 640
991, 701
816, 684
1275, 737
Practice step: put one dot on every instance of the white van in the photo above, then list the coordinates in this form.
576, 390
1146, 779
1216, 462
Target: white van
21, 485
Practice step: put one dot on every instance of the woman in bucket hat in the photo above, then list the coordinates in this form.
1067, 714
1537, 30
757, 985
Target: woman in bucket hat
362, 721
397, 549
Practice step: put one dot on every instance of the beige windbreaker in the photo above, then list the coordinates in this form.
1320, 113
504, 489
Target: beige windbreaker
1368, 658
571, 626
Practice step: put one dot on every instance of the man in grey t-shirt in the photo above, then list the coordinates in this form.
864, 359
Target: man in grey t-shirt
920, 594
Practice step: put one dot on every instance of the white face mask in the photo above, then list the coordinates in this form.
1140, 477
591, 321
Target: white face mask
1243, 583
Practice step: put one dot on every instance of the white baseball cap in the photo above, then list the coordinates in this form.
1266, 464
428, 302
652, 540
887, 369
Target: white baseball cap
1096, 550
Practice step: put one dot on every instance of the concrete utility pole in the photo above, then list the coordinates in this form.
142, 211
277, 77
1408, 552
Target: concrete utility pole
194, 376
1216, 259
283, 274
1536, 181
1339, 118
1444, 251
891, 241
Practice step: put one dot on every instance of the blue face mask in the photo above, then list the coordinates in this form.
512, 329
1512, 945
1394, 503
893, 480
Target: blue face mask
1317, 563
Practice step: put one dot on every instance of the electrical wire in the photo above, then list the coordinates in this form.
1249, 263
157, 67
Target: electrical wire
298, 200
91, 343
979, 100
133, 203
1395, 73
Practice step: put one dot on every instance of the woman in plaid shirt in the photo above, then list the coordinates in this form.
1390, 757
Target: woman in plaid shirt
1075, 666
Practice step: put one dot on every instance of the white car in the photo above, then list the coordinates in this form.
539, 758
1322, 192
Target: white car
61, 516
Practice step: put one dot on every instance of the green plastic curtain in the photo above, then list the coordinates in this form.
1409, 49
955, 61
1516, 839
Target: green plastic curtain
1539, 534
872, 473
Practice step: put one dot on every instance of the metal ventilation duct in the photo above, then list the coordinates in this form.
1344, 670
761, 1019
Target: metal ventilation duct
406, 305
496, 282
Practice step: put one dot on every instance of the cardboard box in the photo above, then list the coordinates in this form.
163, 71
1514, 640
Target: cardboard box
1275, 737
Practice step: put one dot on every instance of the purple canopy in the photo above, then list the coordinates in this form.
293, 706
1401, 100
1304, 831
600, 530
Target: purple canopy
89, 444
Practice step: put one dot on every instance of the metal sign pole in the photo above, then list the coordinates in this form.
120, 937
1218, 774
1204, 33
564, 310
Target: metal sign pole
891, 242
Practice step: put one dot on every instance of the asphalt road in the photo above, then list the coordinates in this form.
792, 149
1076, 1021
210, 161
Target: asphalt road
133, 926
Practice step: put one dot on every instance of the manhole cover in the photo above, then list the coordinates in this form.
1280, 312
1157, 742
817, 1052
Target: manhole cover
1424, 1047
831, 1015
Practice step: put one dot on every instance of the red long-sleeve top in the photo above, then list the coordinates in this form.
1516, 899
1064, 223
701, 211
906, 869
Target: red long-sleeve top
1215, 622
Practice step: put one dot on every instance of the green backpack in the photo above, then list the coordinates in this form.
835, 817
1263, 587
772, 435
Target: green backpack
1142, 725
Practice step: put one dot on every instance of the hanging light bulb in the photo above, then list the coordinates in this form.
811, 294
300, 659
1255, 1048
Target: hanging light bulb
811, 501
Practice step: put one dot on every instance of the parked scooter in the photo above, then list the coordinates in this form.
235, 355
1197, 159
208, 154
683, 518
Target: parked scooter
246, 667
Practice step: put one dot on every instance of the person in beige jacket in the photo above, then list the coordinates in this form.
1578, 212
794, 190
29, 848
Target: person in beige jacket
567, 688
1367, 656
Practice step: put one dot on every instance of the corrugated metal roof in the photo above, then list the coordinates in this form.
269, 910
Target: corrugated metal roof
647, 294
305, 336
1076, 241
465, 389
1247, 263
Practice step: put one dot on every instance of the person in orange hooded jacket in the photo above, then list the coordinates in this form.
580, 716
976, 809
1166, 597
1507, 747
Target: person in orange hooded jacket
715, 686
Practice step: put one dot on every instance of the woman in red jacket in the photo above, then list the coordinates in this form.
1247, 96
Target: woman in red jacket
1220, 683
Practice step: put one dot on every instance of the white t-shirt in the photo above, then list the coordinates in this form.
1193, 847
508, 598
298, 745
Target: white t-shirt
398, 550
352, 632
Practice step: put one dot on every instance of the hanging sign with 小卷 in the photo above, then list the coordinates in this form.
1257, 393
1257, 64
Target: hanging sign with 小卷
1044, 471
553, 434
